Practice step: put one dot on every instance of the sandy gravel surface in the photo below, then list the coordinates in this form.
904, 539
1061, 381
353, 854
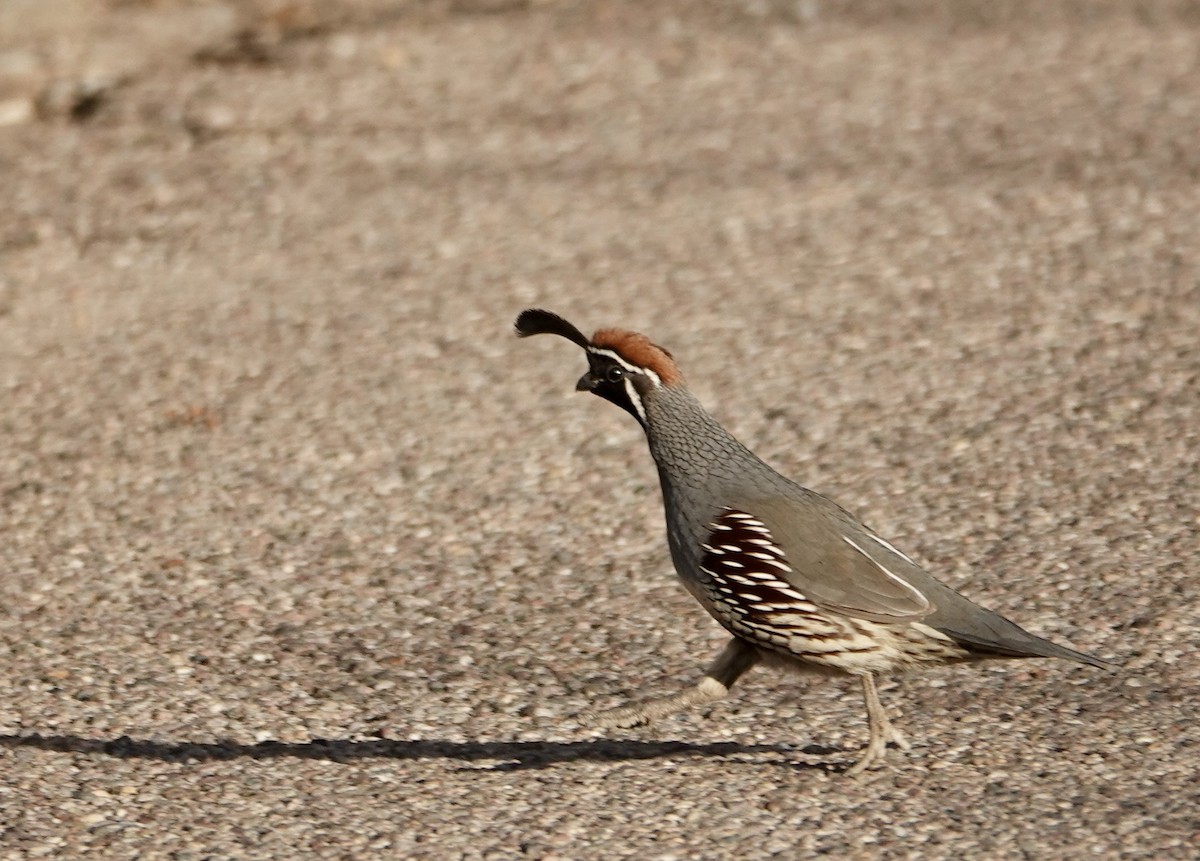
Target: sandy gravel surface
303, 555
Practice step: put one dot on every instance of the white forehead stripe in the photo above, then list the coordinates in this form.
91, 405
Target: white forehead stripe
633, 369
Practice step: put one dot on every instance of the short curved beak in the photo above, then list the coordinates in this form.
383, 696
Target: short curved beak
587, 382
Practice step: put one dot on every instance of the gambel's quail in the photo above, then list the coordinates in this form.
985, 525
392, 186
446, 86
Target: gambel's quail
795, 579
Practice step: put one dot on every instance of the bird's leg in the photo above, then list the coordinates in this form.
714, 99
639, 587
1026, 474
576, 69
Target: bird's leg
737, 657
881, 729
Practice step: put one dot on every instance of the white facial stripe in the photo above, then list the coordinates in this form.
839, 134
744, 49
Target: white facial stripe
600, 351
634, 398
633, 369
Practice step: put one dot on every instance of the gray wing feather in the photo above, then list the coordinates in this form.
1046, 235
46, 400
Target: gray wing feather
840, 565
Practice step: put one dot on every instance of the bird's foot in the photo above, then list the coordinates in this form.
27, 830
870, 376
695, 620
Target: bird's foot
882, 735
876, 750
874, 755
622, 717
894, 736
645, 711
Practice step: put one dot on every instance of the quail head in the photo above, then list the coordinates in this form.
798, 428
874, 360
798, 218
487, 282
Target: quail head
794, 578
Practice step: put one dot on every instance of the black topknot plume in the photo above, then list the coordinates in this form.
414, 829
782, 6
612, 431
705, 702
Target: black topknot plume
535, 321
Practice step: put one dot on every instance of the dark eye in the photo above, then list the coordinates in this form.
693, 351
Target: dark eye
615, 375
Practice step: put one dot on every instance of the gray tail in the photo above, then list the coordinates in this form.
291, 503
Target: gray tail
1026, 646
989, 634
1053, 650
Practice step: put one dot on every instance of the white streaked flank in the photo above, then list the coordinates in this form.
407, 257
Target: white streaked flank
782, 566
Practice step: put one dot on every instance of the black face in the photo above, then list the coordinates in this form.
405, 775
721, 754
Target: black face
615, 382
612, 378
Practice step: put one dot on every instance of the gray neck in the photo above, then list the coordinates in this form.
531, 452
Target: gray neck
692, 451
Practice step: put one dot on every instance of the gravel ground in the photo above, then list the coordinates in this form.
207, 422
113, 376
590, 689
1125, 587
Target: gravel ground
305, 556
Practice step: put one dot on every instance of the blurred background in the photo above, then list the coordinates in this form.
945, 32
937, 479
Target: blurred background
303, 554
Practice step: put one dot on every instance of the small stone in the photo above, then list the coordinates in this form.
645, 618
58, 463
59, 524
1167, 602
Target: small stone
14, 112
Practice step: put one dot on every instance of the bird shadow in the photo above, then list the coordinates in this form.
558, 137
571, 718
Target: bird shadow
493, 755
